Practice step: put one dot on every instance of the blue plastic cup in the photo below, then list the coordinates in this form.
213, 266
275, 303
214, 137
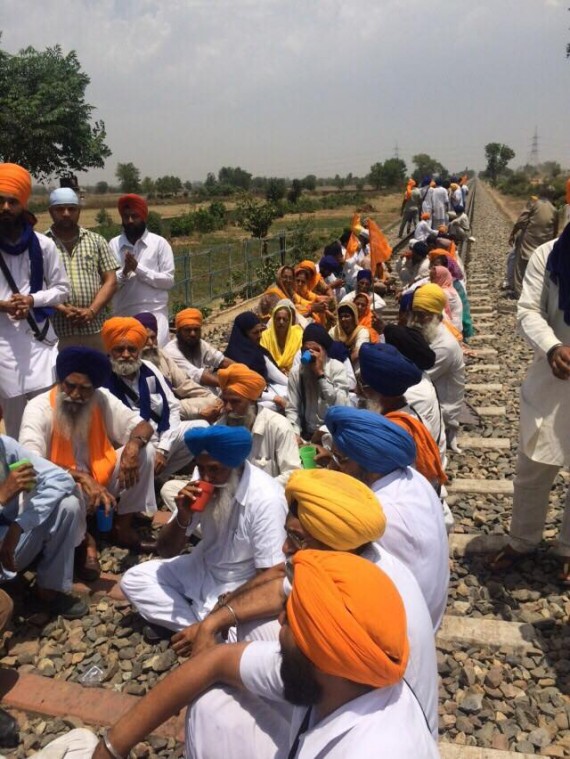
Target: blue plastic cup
307, 357
104, 521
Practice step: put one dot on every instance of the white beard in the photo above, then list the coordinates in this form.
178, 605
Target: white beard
247, 421
220, 505
429, 329
72, 420
152, 355
126, 368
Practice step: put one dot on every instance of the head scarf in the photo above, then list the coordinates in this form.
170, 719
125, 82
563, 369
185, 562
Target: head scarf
442, 277
63, 196
283, 357
311, 269
411, 343
315, 333
136, 203
243, 349
348, 618
366, 319
558, 267
364, 274
375, 443
339, 510
241, 380
338, 332
386, 370
430, 298
229, 445
120, 328
93, 363
148, 320
15, 182
279, 289
428, 458
188, 317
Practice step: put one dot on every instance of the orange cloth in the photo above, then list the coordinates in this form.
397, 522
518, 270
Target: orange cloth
453, 329
428, 461
242, 380
102, 455
409, 187
437, 252
135, 203
425, 216
189, 317
366, 319
348, 618
352, 245
311, 269
121, 328
380, 250
15, 182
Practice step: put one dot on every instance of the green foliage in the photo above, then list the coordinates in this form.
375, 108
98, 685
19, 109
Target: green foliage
168, 185
234, 177
147, 186
103, 218
45, 123
498, 156
310, 182
108, 231
301, 237
155, 223
129, 177
101, 188
254, 216
275, 189
295, 192
182, 226
203, 220
387, 175
426, 166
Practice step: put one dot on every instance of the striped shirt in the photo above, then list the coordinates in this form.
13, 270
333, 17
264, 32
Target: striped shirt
85, 266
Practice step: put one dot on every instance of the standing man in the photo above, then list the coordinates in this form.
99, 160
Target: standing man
147, 266
90, 266
536, 225
32, 280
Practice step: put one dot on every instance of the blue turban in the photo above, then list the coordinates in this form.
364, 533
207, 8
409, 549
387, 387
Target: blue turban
63, 196
315, 333
329, 263
385, 370
228, 445
77, 358
148, 320
364, 274
374, 442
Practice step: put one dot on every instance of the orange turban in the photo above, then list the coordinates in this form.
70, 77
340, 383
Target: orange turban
430, 298
121, 328
426, 216
428, 458
348, 618
135, 203
15, 182
189, 317
242, 380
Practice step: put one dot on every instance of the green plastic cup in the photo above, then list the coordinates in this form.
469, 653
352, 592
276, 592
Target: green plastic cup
17, 465
307, 454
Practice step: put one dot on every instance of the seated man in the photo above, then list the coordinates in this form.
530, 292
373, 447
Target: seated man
242, 534
47, 527
80, 426
196, 402
379, 453
364, 285
196, 357
343, 651
315, 384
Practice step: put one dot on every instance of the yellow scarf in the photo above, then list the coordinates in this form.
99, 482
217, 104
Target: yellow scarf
283, 358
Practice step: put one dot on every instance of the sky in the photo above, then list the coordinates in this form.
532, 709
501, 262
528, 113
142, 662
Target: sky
296, 87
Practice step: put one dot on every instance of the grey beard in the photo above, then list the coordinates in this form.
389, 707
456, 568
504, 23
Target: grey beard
126, 368
246, 420
428, 329
152, 355
72, 418
221, 502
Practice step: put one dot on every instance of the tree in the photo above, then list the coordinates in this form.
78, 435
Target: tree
376, 176
310, 182
101, 188
498, 156
235, 177
147, 186
254, 216
338, 181
394, 172
45, 123
129, 177
188, 185
426, 166
168, 185
295, 192
275, 189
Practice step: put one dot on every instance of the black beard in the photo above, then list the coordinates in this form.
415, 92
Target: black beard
300, 686
9, 225
134, 232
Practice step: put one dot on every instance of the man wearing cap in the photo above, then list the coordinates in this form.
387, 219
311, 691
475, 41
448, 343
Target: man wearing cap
315, 384
380, 454
28, 343
99, 441
340, 660
242, 533
448, 372
147, 266
90, 266
196, 357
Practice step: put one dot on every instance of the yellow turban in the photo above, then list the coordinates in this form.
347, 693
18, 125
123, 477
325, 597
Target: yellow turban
189, 317
336, 509
429, 298
242, 380
348, 618
121, 328
15, 182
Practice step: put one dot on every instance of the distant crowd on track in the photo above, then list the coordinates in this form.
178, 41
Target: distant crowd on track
302, 574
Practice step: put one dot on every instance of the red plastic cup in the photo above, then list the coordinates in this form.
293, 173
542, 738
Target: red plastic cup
202, 500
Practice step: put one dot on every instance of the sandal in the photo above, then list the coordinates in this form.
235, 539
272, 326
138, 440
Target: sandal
506, 559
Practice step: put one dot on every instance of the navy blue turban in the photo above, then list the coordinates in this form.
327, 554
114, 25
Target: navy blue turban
558, 267
148, 320
385, 370
314, 333
77, 358
374, 442
329, 263
364, 274
228, 445
411, 343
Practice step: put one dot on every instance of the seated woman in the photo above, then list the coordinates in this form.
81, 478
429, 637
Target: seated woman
349, 332
244, 348
438, 258
283, 336
362, 303
454, 309
308, 303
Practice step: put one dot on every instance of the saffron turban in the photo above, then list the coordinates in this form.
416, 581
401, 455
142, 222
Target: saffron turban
123, 328
15, 182
189, 317
63, 196
430, 298
315, 333
428, 457
228, 445
364, 274
383, 367
92, 363
375, 443
411, 343
426, 216
135, 203
148, 320
339, 510
348, 618
242, 380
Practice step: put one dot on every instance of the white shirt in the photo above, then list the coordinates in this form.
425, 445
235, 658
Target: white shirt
439, 203
274, 448
309, 398
423, 399
376, 302
448, 375
415, 533
28, 364
423, 230
205, 357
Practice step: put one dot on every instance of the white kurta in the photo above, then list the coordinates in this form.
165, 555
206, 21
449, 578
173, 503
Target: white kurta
309, 398
415, 533
206, 357
28, 364
146, 288
448, 375
545, 400
423, 399
274, 448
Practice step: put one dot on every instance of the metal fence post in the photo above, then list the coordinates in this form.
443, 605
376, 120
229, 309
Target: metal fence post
282, 247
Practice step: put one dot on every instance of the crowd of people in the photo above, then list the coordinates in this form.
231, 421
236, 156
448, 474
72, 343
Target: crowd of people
304, 566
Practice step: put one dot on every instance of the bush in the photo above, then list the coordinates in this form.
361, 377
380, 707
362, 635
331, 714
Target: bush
182, 226
104, 218
156, 224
